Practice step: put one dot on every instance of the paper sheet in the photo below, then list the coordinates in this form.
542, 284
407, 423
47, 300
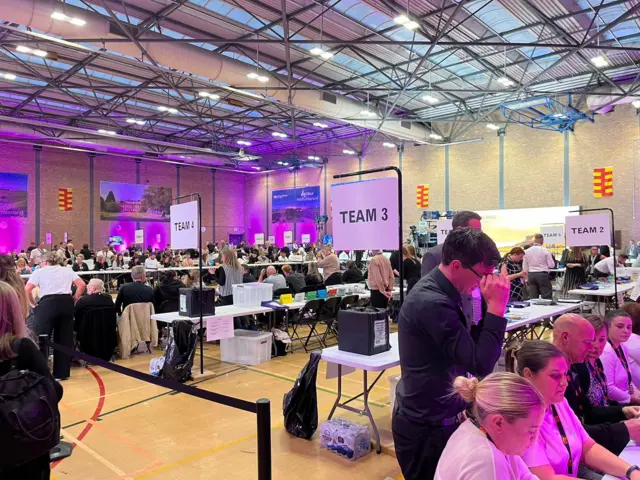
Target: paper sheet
219, 328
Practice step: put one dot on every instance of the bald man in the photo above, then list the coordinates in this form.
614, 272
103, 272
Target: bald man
273, 277
612, 426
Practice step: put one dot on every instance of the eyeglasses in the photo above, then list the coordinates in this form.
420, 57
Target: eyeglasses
474, 272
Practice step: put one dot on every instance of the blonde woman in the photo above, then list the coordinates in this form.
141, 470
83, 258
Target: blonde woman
9, 274
228, 275
504, 418
21, 266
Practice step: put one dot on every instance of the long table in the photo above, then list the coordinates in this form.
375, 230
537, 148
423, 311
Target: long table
602, 293
222, 311
534, 314
631, 454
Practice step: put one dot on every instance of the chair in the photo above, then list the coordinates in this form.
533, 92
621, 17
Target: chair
349, 301
309, 288
329, 316
97, 332
169, 306
334, 279
135, 326
281, 291
309, 315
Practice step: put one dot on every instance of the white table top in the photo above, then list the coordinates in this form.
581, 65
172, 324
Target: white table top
631, 454
223, 311
127, 270
372, 363
535, 313
607, 291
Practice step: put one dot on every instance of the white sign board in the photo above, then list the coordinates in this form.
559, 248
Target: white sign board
272, 239
259, 239
288, 237
49, 239
306, 238
588, 230
140, 236
443, 227
185, 225
66, 237
553, 234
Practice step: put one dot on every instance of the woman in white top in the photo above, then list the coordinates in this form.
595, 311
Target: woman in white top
54, 312
615, 360
504, 420
633, 344
563, 444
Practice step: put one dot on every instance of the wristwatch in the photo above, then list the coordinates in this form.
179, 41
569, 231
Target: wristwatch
632, 469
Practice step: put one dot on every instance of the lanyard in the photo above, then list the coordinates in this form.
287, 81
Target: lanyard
565, 440
598, 374
578, 390
625, 364
475, 422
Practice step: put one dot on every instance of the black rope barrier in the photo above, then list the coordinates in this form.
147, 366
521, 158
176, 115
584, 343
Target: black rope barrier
262, 408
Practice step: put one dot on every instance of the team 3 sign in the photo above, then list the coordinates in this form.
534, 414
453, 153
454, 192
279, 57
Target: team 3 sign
365, 215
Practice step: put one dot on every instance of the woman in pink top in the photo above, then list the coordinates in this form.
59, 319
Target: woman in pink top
563, 446
616, 362
504, 419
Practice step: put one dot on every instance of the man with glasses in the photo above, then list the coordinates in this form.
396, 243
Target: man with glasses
438, 343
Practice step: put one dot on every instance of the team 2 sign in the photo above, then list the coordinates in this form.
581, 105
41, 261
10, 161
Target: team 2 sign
365, 215
588, 230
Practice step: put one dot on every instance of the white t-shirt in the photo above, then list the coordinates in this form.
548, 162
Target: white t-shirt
54, 280
151, 264
605, 266
633, 351
36, 253
617, 378
549, 449
469, 455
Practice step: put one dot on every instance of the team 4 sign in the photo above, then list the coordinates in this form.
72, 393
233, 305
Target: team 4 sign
588, 230
185, 225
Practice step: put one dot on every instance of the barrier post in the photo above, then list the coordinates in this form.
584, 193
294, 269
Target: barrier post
43, 346
263, 410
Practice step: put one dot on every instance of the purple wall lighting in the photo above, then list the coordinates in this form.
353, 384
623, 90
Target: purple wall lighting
12, 235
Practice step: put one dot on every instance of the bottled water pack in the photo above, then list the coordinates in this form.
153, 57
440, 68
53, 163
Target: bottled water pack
347, 439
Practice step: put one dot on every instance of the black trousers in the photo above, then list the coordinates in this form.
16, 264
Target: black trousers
418, 446
37, 469
539, 285
54, 314
378, 300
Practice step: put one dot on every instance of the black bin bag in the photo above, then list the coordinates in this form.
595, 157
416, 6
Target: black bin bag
300, 405
181, 347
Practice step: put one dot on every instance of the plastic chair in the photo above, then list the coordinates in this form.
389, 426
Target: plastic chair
97, 332
169, 306
334, 279
329, 316
309, 315
281, 291
349, 301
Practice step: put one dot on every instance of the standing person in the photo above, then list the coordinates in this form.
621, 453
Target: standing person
462, 219
574, 276
512, 263
36, 254
631, 250
615, 360
537, 263
54, 312
85, 251
17, 348
594, 257
411, 268
228, 275
381, 280
437, 345
328, 261
504, 415
604, 267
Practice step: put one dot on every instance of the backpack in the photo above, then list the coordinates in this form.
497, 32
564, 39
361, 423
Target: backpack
29, 417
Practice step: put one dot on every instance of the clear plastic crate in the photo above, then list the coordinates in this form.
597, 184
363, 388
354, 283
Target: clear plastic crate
251, 295
246, 347
393, 385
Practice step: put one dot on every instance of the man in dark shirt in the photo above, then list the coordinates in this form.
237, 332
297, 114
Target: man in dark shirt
135, 292
95, 298
246, 275
295, 280
437, 345
167, 290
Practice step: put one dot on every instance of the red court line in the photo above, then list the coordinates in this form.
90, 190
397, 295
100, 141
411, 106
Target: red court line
96, 412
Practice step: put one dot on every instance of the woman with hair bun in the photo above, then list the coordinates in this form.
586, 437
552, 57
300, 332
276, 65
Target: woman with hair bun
504, 418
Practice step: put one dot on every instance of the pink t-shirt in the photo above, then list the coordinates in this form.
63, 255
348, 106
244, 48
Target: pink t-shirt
469, 455
549, 449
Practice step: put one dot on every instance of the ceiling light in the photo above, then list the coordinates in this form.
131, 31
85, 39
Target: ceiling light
279, 134
388, 145
162, 108
107, 132
311, 157
435, 136
23, 49
244, 142
255, 76
430, 99
411, 25
506, 81
348, 152
39, 53
75, 21
172, 110
131, 120
401, 19
559, 115
326, 55
320, 125
285, 163
368, 113
136, 121
36, 52
600, 61
492, 126
256, 168
316, 51
406, 22
8, 76
636, 103
212, 96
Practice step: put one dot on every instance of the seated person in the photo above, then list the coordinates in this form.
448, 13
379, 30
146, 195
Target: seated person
85, 251
282, 256
563, 446
95, 297
135, 261
247, 277
616, 362
295, 280
167, 289
273, 277
101, 263
504, 414
352, 274
151, 263
134, 292
313, 277
21, 266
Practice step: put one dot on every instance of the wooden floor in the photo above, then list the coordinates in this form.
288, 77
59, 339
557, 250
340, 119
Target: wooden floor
128, 429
